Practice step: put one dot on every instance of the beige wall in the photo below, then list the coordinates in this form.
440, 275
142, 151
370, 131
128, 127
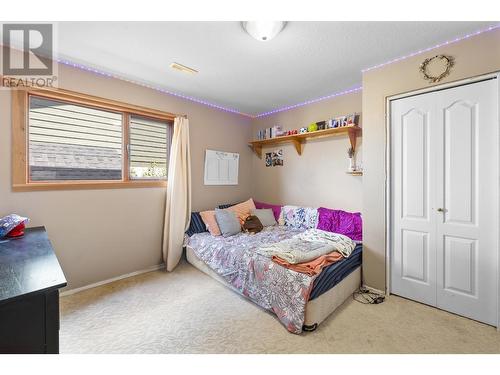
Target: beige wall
100, 234
317, 177
475, 56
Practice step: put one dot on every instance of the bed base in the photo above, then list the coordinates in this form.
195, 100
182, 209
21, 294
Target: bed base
318, 309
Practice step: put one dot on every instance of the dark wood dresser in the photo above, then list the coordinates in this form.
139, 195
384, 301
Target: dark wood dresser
30, 278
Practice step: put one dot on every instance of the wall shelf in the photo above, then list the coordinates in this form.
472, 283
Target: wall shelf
298, 140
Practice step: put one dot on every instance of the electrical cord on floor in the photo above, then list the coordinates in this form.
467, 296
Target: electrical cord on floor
367, 297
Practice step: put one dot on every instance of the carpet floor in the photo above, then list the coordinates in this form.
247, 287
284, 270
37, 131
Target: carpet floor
188, 312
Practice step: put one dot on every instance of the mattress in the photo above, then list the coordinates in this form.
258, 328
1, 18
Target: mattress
317, 310
336, 272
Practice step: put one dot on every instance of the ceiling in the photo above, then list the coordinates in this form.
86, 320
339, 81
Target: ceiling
306, 60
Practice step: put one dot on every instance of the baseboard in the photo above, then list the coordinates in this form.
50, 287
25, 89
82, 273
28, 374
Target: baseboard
378, 291
103, 282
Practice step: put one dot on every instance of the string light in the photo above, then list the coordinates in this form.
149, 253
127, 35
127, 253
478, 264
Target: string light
467, 36
345, 92
283, 109
159, 89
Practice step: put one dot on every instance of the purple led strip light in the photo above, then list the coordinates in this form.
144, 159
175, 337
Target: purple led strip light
310, 102
230, 110
190, 98
494, 27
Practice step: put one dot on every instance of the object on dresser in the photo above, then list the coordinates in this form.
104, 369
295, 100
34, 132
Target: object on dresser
12, 225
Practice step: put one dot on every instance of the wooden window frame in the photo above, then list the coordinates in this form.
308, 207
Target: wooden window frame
20, 147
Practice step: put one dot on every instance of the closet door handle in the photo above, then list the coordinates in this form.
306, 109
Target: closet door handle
440, 209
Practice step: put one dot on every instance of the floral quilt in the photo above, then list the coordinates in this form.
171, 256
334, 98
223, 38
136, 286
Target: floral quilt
271, 286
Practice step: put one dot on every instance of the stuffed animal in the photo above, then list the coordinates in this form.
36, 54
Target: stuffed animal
252, 224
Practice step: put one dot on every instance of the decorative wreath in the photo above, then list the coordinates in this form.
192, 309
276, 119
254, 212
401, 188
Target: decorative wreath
450, 61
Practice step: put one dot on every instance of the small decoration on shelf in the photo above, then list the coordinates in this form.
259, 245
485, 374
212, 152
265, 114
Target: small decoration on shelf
312, 127
350, 154
441, 63
321, 125
333, 123
303, 130
352, 119
342, 121
275, 131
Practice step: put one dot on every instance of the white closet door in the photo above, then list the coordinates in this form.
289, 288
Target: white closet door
467, 227
413, 268
445, 177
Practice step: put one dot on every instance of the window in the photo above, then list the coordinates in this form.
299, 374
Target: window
73, 142
148, 151
68, 140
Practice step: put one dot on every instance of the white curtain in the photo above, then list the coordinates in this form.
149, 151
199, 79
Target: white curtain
178, 204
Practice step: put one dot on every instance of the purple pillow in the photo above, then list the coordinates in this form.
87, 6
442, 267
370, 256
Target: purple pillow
276, 209
337, 221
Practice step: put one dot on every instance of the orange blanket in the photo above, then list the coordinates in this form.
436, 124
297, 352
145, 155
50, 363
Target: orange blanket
312, 267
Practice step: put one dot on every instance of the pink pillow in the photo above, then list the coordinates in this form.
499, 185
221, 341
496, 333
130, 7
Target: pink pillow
276, 209
208, 218
243, 210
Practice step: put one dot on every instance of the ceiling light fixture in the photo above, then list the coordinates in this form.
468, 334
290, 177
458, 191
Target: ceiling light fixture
263, 31
183, 68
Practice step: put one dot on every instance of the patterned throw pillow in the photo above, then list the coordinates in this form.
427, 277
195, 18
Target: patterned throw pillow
197, 225
299, 217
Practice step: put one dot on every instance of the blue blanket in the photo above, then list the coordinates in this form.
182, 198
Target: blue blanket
336, 272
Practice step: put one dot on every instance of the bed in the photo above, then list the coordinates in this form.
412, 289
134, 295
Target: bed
299, 301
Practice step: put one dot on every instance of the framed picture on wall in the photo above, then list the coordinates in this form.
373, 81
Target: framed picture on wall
278, 158
269, 159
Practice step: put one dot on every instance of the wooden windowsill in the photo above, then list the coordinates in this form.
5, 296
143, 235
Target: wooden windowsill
84, 185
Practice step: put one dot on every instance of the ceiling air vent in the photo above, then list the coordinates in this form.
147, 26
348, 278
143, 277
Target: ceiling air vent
183, 68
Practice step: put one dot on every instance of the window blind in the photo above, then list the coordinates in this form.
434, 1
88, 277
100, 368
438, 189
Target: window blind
73, 142
149, 147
